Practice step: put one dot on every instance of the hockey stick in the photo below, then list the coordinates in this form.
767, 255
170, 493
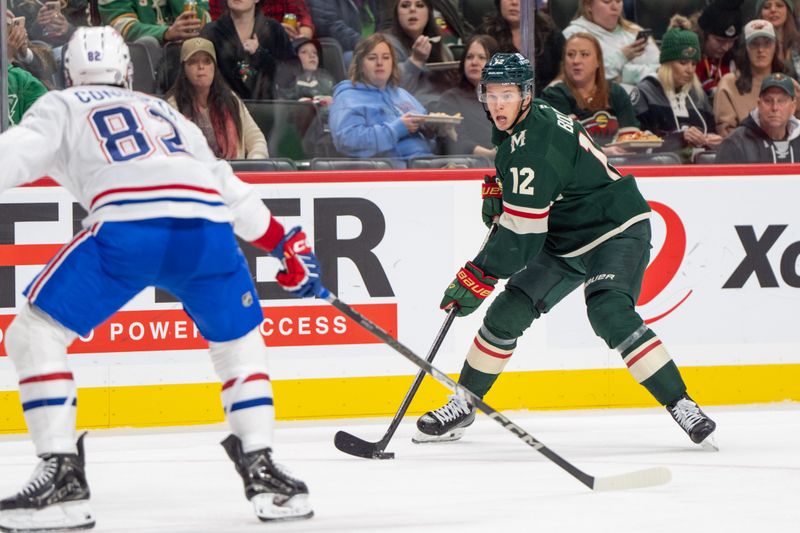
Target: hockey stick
632, 480
349, 443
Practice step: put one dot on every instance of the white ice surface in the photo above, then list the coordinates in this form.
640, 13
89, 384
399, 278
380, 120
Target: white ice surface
179, 479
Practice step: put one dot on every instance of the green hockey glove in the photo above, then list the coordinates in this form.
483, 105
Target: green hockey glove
492, 194
468, 290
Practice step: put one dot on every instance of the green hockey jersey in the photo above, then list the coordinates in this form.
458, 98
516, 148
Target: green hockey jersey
559, 193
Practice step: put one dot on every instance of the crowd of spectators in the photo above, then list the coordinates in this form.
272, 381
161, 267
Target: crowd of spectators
371, 71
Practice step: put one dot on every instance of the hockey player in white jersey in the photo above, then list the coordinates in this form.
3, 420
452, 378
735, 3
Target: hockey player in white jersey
162, 212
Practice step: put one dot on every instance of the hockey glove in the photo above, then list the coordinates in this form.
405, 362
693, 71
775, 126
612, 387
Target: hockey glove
492, 195
468, 290
301, 270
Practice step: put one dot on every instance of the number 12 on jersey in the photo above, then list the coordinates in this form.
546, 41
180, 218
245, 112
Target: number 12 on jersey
523, 187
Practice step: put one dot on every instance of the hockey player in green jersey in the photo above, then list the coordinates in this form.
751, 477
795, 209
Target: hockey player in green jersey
566, 218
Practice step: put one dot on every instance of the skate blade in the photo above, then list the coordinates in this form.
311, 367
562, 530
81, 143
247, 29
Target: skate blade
709, 444
58, 517
295, 508
423, 438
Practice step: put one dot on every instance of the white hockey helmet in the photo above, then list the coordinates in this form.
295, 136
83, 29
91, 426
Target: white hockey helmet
97, 56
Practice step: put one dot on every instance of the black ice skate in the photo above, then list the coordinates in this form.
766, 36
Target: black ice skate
275, 494
56, 498
446, 423
694, 421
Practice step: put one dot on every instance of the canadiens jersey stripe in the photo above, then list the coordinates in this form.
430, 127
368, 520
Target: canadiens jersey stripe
160, 199
136, 191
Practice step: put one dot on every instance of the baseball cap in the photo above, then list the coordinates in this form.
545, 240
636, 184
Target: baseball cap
758, 28
191, 46
781, 81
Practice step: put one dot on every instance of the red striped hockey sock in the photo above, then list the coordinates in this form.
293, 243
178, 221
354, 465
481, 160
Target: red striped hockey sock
248, 404
651, 365
49, 403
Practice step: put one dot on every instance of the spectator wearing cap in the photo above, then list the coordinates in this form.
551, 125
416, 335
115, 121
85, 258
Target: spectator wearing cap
311, 82
201, 95
672, 103
781, 14
771, 132
718, 27
737, 93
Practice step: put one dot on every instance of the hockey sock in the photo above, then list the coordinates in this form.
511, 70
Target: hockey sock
247, 400
486, 359
651, 365
49, 403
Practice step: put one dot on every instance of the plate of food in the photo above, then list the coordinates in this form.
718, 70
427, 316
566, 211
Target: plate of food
637, 139
440, 118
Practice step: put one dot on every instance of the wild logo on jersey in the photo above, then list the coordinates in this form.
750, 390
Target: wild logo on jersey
601, 125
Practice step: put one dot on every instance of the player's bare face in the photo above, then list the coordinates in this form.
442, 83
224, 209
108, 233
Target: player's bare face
412, 15
377, 66
503, 102
580, 62
605, 13
682, 72
200, 70
474, 61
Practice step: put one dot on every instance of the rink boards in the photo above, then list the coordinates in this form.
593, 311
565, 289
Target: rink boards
722, 291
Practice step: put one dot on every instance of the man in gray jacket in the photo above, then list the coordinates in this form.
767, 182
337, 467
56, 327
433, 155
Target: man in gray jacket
771, 134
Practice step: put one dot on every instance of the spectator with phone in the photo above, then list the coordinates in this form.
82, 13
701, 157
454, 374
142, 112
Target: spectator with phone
718, 27
37, 58
505, 26
671, 103
583, 92
629, 51
371, 116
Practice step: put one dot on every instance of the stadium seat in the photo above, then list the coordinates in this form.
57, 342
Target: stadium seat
475, 10
284, 123
450, 161
457, 50
345, 163
658, 158
706, 157
748, 10
144, 74
278, 164
655, 14
332, 58
563, 11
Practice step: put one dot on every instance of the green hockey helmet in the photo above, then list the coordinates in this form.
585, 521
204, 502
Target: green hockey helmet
507, 69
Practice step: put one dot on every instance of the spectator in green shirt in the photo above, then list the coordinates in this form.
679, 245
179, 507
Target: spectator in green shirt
23, 90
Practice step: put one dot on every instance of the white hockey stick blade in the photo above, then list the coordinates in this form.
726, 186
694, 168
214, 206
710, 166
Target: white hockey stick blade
649, 477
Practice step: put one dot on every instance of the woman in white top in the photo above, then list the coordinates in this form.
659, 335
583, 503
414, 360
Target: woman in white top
626, 59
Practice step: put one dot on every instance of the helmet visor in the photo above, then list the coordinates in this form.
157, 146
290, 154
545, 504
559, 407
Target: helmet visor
494, 93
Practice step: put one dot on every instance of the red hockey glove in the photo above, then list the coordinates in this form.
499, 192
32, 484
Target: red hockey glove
468, 290
301, 269
492, 194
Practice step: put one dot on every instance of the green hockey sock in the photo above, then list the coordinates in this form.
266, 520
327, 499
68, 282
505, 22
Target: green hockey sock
476, 381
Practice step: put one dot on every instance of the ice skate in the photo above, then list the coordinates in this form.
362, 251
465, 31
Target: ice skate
56, 497
275, 494
446, 423
694, 422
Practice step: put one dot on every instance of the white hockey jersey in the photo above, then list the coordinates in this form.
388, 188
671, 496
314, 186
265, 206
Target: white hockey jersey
127, 156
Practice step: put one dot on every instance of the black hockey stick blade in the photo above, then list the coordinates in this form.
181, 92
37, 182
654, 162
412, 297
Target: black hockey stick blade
349, 443
353, 445
632, 480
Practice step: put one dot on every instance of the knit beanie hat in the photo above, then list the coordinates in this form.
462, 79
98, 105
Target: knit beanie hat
679, 44
760, 4
722, 18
